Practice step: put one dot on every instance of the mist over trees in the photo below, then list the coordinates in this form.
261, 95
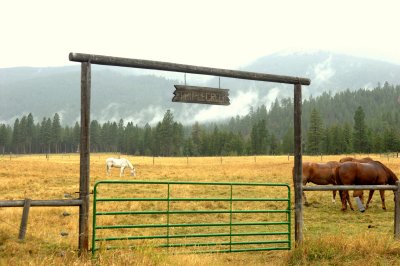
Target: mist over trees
363, 121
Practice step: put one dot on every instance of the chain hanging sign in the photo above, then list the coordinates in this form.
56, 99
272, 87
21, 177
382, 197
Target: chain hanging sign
203, 95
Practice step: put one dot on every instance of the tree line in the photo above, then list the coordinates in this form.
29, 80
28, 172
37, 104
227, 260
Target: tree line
330, 126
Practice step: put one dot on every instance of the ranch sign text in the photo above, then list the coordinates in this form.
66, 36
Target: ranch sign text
203, 95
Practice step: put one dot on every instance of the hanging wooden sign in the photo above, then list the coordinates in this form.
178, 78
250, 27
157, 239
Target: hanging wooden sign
203, 95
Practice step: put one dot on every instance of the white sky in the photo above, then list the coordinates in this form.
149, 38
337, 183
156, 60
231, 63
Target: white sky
215, 33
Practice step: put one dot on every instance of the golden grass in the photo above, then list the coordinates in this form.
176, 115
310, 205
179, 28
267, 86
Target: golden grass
331, 237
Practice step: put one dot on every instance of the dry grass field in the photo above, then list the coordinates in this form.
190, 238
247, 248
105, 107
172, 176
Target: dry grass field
331, 237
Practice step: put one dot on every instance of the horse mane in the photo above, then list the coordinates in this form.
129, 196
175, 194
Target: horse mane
388, 171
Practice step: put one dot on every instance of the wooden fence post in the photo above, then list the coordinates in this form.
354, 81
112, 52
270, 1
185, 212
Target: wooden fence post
24, 220
298, 184
83, 243
397, 212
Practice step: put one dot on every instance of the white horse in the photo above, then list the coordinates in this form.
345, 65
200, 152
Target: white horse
119, 163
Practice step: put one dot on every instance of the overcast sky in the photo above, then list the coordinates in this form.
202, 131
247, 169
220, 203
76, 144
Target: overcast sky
215, 33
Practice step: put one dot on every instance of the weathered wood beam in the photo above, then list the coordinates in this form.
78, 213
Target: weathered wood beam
349, 187
41, 203
166, 66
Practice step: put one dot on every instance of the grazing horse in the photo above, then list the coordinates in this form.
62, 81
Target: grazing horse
319, 174
371, 173
119, 163
357, 193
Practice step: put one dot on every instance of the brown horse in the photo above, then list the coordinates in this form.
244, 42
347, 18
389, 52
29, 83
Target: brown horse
357, 193
319, 174
371, 173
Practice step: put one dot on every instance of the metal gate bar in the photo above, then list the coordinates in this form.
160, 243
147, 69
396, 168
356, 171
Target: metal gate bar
229, 223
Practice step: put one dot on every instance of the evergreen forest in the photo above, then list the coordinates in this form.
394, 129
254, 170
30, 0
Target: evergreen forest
362, 121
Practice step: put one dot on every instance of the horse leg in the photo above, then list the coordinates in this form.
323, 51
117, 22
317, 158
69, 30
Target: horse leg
383, 199
108, 170
371, 193
346, 198
304, 194
344, 203
121, 172
349, 201
305, 199
333, 196
360, 194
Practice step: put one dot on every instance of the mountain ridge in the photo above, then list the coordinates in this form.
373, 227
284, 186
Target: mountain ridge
143, 98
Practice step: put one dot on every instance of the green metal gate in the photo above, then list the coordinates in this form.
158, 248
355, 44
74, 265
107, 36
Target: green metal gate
193, 217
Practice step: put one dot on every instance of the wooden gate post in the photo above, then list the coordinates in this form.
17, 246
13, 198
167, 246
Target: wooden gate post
87, 59
84, 159
397, 212
298, 184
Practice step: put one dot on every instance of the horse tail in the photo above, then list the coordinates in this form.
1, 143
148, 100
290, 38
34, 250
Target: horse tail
392, 176
337, 176
108, 165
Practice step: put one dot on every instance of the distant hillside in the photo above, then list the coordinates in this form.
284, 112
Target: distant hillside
120, 93
327, 71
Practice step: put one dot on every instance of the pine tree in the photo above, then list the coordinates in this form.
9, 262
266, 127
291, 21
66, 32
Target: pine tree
76, 136
259, 137
196, 131
326, 141
23, 134
389, 140
188, 147
95, 136
314, 133
274, 145
165, 131
148, 140
205, 143
359, 131
56, 133
241, 144
47, 135
112, 136
377, 142
177, 138
120, 136
338, 145
16, 136
129, 144
347, 133
3, 138
30, 131
288, 142
215, 145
